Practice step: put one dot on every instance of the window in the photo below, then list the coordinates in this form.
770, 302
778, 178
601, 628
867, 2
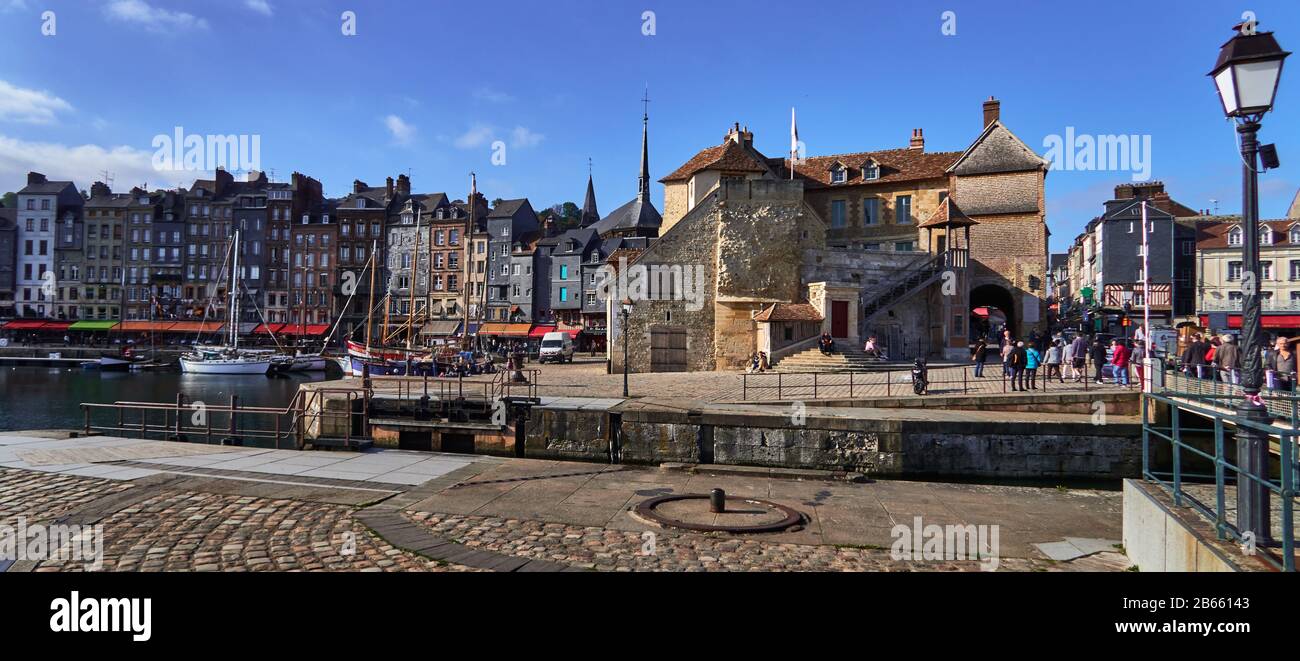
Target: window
1234, 236
839, 174
1265, 235
564, 271
903, 210
1234, 271
1294, 236
904, 246
870, 210
1295, 269
837, 213
564, 294
870, 171
1266, 270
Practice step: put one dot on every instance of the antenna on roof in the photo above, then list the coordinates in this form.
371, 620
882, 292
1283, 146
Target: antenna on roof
1216, 206
271, 172
107, 177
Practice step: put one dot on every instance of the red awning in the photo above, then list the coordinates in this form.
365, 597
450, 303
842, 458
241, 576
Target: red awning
1267, 320
196, 326
265, 329
309, 329
539, 330
56, 325
24, 325
144, 326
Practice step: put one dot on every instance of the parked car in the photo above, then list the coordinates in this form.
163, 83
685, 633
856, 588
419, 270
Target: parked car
556, 347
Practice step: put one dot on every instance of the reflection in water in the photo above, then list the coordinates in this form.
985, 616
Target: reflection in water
46, 398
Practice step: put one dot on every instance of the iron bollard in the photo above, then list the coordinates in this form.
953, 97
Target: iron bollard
717, 501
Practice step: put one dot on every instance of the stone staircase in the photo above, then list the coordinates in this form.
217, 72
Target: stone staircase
843, 359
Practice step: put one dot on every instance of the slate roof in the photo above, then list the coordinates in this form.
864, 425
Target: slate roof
948, 213
122, 200
46, 188
789, 312
507, 208
584, 237
590, 215
997, 150
637, 214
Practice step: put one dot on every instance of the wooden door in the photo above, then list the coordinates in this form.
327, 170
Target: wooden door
839, 319
667, 349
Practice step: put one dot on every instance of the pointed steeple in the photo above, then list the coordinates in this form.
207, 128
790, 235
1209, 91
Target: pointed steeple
643, 188
590, 216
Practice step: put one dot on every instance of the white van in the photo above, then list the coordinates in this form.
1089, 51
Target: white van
556, 346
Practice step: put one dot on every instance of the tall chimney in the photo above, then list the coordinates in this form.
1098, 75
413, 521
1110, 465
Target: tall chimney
34, 178
403, 185
358, 186
389, 188
992, 111
918, 140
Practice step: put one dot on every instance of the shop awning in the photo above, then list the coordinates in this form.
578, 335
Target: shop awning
305, 331
24, 325
540, 330
144, 326
506, 330
92, 325
442, 327
1266, 320
265, 329
196, 327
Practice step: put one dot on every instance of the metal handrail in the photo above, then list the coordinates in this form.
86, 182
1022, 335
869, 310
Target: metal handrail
1173, 480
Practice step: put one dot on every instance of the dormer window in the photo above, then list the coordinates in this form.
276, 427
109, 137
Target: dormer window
1234, 236
839, 174
1294, 236
1265, 235
870, 171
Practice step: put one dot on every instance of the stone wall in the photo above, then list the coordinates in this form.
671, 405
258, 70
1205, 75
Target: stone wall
903, 328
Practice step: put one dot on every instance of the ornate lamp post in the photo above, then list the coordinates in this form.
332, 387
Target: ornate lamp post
624, 313
1247, 75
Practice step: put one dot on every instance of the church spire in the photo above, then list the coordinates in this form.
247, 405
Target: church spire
643, 189
590, 216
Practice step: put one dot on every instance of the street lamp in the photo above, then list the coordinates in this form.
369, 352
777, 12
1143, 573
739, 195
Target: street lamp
1247, 75
624, 313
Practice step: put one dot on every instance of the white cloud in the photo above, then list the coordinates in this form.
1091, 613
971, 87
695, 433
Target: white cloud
486, 93
7, 6
523, 137
477, 136
153, 19
83, 165
31, 106
260, 6
403, 133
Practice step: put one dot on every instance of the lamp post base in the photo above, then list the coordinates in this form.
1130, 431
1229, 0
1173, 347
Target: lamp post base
1253, 459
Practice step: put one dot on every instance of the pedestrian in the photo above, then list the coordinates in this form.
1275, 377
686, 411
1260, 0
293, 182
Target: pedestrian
1080, 345
1098, 360
1194, 357
1008, 348
1053, 362
1119, 362
1282, 364
1032, 360
1228, 359
1017, 359
981, 352
1138, 360
1067, 361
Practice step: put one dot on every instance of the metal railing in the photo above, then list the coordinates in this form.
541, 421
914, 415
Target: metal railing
230, 424
1181, 437
942, 381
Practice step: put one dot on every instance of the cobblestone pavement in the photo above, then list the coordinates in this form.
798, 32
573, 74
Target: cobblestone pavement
187, 531
603, 549
587, 378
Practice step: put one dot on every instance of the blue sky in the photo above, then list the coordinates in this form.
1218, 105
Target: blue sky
430, 85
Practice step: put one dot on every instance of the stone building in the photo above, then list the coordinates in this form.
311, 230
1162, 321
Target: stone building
106, 217
512, 226
900, 244
362, 218
1221, 269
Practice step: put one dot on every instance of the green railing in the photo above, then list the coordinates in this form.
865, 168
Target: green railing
1195, 403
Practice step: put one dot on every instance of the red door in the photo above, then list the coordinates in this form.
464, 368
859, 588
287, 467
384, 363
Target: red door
839, 318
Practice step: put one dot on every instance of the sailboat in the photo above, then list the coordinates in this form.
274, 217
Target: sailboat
386, 360
228, 359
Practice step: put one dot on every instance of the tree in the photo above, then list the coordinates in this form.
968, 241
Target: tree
11, 200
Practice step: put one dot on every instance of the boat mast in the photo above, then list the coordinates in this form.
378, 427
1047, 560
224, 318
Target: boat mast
234, 295
370, 309
415, 270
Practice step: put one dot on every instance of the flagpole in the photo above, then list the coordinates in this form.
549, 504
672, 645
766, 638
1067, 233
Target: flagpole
1146, 298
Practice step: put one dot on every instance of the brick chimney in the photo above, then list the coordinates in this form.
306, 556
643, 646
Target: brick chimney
222, 179
992, 111
100, 189
34, 178
918, 140
389, 187
403, 185
358, 186
740, 136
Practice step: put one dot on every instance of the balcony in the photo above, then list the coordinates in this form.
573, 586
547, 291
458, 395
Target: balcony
1267, 305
